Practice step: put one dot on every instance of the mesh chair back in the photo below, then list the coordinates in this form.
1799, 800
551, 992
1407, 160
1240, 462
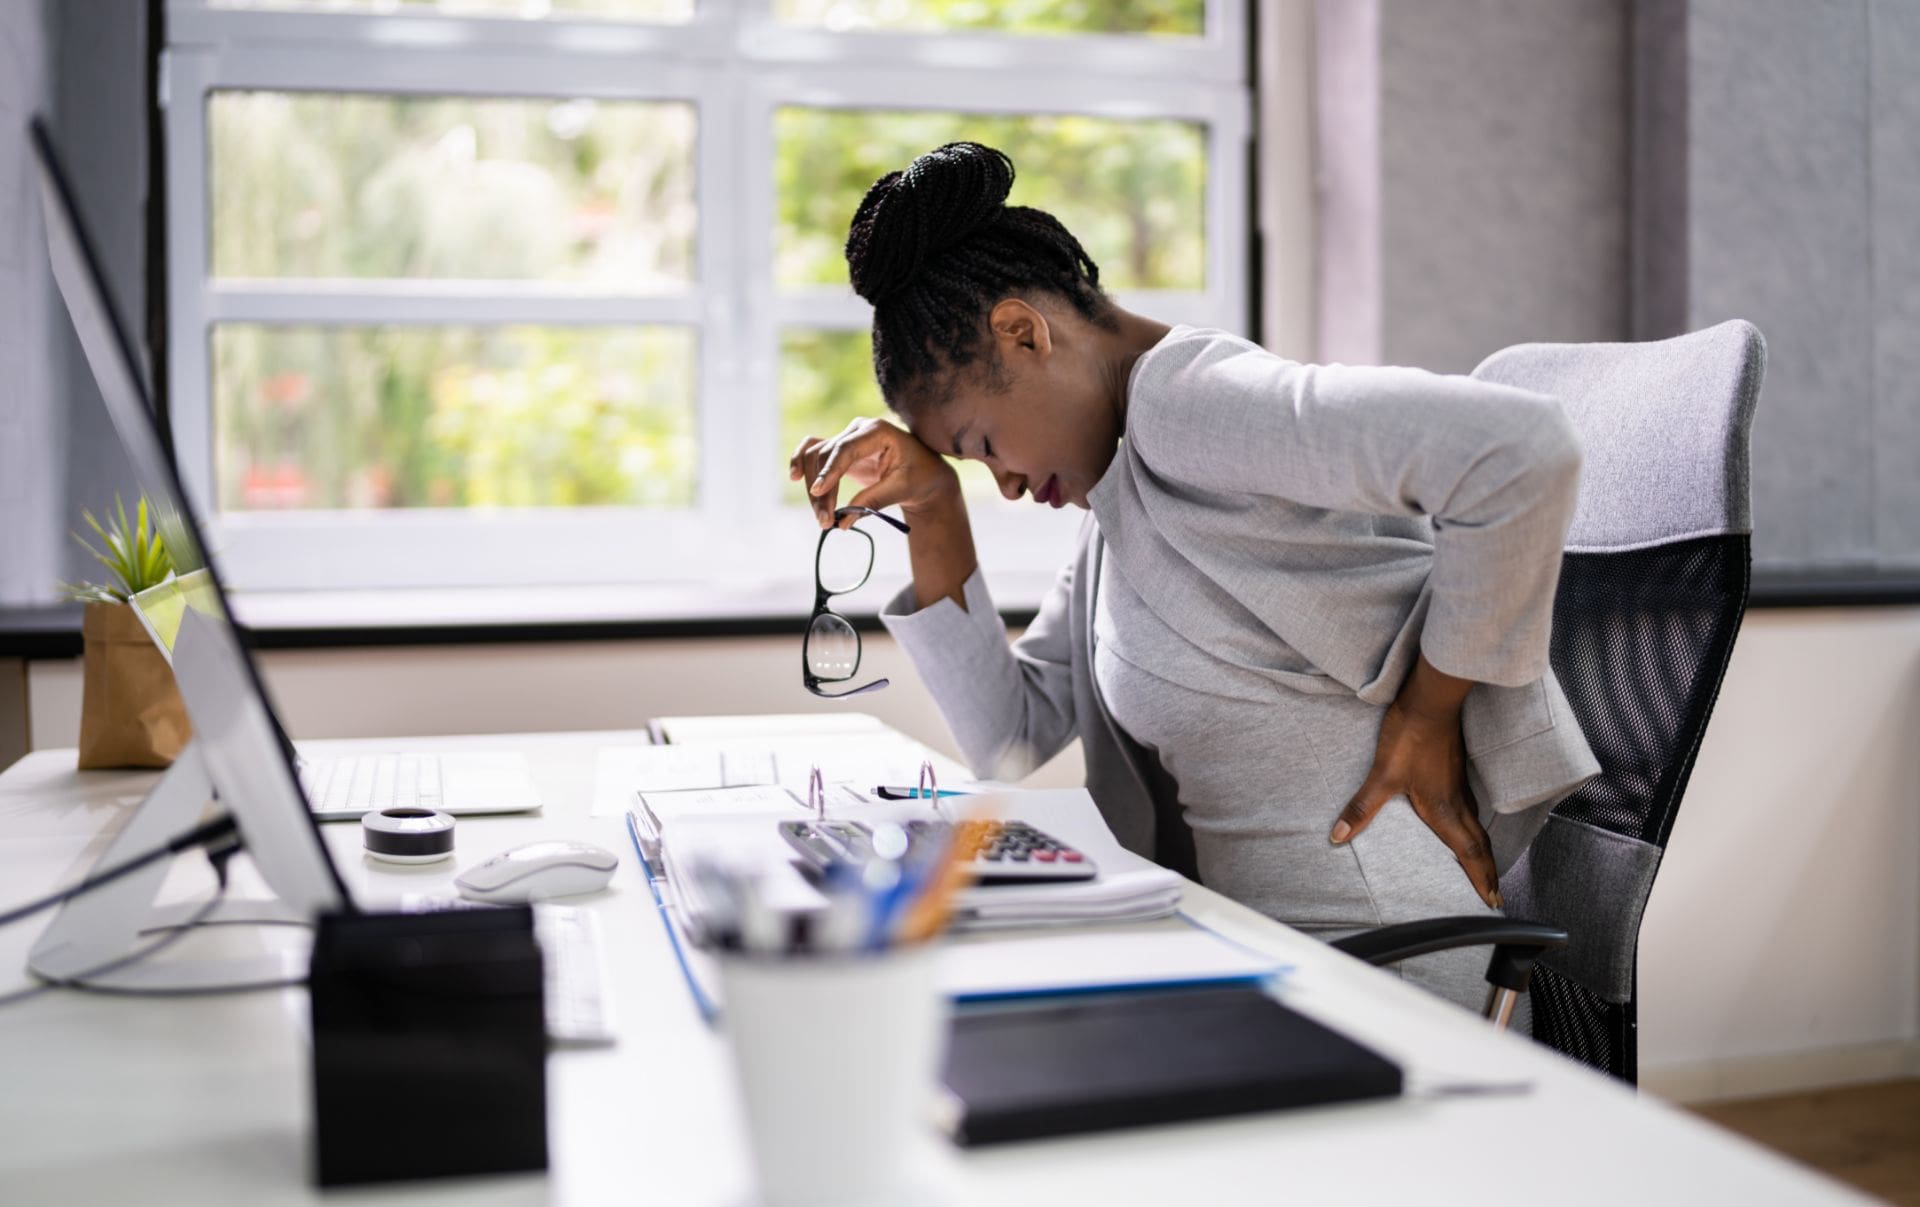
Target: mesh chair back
1652, 590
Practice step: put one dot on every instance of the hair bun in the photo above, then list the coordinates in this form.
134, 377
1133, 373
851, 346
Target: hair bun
909, 217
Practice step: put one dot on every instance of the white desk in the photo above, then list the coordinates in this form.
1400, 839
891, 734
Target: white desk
107, 1100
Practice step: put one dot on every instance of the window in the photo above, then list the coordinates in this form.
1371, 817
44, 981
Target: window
508, 292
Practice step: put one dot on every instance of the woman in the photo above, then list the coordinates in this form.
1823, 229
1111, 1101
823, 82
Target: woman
1309, 615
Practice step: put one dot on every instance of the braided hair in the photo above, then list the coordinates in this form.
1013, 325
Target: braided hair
935, 247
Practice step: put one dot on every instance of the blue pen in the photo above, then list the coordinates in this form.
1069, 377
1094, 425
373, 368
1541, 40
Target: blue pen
919, 870
890, 792
910, 878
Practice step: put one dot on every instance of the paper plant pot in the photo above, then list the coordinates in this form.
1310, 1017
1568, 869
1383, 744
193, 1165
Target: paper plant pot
131, 714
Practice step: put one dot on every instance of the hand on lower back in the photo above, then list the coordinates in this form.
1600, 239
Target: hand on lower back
1422, 756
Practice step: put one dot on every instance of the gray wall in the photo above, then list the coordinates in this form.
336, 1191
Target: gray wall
1481, 103
84, 66
1894, 149
1499, 171
30, 480
1798, 189
1474, 172
99, 119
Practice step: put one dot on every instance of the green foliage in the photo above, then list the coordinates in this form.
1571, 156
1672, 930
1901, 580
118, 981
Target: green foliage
135, 555
349, 185
570, 424
1132, 192
454, 417
1165, 17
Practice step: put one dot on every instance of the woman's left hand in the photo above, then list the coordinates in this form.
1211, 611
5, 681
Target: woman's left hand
1422, 756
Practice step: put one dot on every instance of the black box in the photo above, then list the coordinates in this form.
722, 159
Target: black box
429, 1046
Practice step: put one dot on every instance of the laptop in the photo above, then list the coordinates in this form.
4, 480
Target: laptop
334, 787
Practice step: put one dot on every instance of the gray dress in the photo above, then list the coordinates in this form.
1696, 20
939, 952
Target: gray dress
1259, 775
1272, 547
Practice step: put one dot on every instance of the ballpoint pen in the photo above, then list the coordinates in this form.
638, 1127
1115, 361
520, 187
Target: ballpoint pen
926, 790
900, 792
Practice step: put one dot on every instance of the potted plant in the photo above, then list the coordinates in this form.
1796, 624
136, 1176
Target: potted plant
131, 714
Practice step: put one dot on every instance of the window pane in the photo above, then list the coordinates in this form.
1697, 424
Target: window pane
1132, 192
1183, 18
653, 11
350, 185
403, 417
826, 382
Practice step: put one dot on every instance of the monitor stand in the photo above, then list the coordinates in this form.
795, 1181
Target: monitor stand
114, 920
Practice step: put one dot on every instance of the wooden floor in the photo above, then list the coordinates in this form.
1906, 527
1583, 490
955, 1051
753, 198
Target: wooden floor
1867, 1135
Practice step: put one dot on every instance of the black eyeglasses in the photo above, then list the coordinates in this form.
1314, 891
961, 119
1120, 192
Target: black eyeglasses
842, 563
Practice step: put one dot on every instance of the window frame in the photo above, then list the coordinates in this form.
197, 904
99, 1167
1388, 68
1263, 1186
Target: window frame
736, 65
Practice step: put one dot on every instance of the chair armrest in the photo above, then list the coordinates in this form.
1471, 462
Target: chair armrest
1516, 944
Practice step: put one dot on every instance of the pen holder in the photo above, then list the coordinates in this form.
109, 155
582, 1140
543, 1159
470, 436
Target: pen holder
837, 1060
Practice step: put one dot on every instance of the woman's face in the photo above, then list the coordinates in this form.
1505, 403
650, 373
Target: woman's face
1044, 419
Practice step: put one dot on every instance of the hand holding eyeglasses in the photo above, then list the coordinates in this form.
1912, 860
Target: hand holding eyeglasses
889, 463
895, 469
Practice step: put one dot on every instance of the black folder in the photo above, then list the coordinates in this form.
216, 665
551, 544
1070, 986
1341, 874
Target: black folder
1093, 1063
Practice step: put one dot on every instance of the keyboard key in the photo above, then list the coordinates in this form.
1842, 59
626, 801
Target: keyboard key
368, 783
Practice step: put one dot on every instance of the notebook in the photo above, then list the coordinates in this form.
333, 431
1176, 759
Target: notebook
1024, 1071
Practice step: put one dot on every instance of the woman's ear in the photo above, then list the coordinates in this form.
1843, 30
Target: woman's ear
1019, 327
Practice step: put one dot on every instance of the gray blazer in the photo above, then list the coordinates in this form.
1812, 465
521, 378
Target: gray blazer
1315, 527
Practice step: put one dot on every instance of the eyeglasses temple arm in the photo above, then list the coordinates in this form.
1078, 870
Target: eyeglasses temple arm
876, 685
899, 524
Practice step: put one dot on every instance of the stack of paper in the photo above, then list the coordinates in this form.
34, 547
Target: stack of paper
1124, 896
1127, 888
865, 761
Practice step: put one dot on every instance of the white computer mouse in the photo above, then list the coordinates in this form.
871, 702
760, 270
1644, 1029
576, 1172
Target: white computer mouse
538, 871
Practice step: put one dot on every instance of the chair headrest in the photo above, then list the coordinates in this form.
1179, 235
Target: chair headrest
1664, 426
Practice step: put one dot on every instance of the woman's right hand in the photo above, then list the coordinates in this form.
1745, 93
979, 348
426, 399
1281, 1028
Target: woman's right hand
888, 462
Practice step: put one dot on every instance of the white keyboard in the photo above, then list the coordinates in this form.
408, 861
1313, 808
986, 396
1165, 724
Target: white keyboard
576, 1000
368, 783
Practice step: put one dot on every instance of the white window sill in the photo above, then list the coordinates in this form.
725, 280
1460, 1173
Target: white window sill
455, 614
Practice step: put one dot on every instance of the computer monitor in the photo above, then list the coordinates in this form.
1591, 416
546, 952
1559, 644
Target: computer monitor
239, 752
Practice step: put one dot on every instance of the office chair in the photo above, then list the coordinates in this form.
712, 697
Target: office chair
1652, 589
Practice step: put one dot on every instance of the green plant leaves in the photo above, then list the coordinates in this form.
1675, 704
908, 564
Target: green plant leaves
135, 555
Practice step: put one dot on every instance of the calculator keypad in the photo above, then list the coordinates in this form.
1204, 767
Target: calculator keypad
1001, 851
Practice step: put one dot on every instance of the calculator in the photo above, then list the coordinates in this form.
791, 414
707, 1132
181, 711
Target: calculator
1008, 852
992, 852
